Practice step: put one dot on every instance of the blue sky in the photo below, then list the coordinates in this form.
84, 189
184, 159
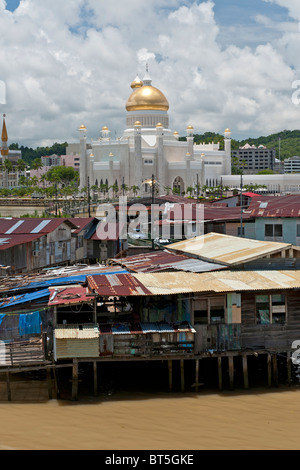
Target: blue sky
226, 63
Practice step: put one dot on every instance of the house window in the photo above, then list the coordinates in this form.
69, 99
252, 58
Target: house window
273, 230
209, 310
271, 309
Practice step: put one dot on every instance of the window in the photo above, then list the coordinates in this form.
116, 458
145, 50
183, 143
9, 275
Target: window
270, 309
273, 230
209, 311
298, 230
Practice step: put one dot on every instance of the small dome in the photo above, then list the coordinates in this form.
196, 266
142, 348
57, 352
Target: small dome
137, 83
105, 128
227, 130
159, 124
137, 123
190, 127
82, 128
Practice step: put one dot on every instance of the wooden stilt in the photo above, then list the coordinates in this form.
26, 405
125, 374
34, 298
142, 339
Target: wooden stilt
49, 381
170, 367
8, 386
275, 369
220, 375
289, 368
245, 371
95, 379
55, 384
75, 380
197, 375
269, 370
182, 375
231, 372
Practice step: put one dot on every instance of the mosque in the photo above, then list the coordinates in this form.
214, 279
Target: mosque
149, 148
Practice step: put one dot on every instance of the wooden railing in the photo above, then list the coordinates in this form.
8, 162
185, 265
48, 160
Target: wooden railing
21, 353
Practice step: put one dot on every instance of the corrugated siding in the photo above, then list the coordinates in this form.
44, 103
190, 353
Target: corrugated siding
73, 348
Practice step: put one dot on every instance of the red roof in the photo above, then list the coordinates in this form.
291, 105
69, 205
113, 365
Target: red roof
15, 226
249, 194
81, 222
68, 295
275, 206
117, 285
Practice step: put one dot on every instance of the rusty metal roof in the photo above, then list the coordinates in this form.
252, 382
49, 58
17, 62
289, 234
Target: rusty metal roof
165, 260
17, 226
227, 250
223, 281
68, 295
117, 285
271, 206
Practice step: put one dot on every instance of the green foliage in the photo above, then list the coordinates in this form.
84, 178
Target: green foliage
63, 175
29, 154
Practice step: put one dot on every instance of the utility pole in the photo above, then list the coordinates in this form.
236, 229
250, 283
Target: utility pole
152, 207
88, 195
123, 186
241, 203
197, 187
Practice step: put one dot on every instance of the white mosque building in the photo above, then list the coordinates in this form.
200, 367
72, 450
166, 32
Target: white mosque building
149, 148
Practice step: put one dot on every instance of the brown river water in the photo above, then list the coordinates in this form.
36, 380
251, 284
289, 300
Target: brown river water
255, 419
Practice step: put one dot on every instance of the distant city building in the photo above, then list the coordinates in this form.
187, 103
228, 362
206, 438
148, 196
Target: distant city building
53, 160
292, 165
254, 159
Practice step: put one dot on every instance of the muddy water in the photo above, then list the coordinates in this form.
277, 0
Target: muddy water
258, 419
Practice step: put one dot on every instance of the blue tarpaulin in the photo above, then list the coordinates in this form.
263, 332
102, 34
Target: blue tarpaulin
1, 318
24, 298
30, 324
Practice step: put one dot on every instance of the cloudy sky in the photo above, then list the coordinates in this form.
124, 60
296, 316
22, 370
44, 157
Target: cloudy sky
221, 63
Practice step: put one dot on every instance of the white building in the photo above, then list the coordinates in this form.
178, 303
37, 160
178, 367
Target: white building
292, 165
149, 147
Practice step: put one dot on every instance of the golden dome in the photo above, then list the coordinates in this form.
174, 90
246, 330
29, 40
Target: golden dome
190, 127
105, 128
176, 133
137, 83
147, 98
227, 130
137, 123
82, 128
159, 124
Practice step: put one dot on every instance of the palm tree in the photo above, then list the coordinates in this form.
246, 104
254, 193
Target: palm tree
115, 189
190, 190
21, 166
135, 189
7, 168
37, 165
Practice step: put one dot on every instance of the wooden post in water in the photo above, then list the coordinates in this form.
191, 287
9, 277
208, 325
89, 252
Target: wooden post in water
231, 372
170, 367
269, 359
275, 369
220, 373
182, 374
75, 380
8, 386
95, 379
49, 381
197, 375
289, 367
245, 371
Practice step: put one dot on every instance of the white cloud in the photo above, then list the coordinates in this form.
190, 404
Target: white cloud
72, 62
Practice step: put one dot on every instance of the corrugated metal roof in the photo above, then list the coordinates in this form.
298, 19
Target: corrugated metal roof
165, 260
69, 295
25, 298
76, 332
19, 226
223, 281
227, 250
10, 241
116, 285
270, 206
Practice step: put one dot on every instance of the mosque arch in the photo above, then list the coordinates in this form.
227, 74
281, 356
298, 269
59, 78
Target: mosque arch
178, 184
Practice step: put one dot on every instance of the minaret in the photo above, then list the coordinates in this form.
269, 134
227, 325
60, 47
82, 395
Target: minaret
83, 158
160, 154
4, 138
227, 148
